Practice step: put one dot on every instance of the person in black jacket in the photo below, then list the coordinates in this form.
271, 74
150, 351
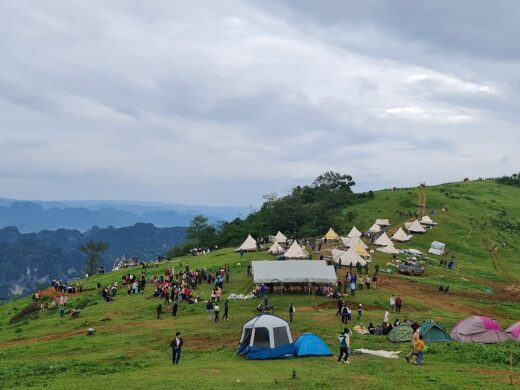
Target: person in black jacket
174, 308
176, 345
226, 308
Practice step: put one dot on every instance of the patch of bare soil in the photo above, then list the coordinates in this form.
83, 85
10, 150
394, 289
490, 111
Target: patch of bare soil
33, 340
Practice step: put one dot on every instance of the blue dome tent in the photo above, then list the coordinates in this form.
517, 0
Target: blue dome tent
266, 336
308, 344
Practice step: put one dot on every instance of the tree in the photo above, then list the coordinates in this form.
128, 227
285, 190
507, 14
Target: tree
200, 232
334, 181
93, 251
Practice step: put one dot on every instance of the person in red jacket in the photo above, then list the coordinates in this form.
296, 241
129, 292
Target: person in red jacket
398, 303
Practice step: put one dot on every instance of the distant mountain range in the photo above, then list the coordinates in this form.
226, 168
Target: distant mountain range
33, 216
30, 259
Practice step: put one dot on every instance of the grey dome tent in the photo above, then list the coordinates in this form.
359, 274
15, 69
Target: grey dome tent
433, 332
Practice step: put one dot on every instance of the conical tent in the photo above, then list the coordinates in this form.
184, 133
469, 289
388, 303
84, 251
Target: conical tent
296, 252
433, 332
401, 236
354, 232
478, 329
350, 257
427, 221
331, 235
416, 227
375, 228
383, 240
353, 241
308, 344
249, 245
400, 334
391, 249
361, 251
514, 331
276, 249
383, 222
280, 237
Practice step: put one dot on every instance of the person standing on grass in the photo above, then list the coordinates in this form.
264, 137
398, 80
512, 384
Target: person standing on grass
368, 280
209, 308
344, 314
174, 308
226, 308
359, 311
340, 306
374, 281
159, 311
420, 350
217, 313
344, 345
392, 303
176, 346
353, 287
415, 338
291, 312
398, 303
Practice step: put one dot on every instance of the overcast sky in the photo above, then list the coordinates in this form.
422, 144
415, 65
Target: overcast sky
221, 102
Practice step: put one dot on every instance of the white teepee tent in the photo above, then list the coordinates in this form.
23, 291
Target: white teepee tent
383, 240
296, 252
375, 228
401, 236
389, 249
416, 227
331, 235
354, 232
350, 257
426, 220
352, 242
280, 237
382, 222
276, 249
249, 245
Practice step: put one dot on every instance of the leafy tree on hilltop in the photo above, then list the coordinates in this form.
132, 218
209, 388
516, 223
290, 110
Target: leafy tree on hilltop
334, 181
93, 251
200, 232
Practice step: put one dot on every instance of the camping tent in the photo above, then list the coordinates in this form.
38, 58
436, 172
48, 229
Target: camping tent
293, 271
416, 227
383, 222
353, 241
360, 249
354, 233
433, 332
296, 252
427, 221
308, 344
280, 237
477, 329
514, 331
437, 248
383, 240
400, 333
276, 249
331, 235
389, 249
266, 336
401, 236
350, 257
375, 228
249, 245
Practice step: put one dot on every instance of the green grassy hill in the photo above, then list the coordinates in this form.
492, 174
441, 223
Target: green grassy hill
131, 347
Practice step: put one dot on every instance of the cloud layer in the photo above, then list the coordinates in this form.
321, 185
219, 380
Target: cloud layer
221, 102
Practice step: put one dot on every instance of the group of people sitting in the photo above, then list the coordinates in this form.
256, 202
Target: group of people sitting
385, 328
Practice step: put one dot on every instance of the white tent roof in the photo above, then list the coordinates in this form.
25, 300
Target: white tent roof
389, 249
350, 257
248, 245
336, 253
382, 222
401, 236
427, 221
416, 227
296, 252
352, 242
383, 240
354, 232
375, 228
293, 271
276, 249
280, 237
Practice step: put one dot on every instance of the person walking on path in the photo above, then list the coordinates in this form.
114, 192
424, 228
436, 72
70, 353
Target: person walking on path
176, 346
398, 304
291, 312
392, 303
344, 345
226, 308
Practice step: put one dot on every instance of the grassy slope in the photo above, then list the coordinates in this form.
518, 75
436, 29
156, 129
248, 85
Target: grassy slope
131, 349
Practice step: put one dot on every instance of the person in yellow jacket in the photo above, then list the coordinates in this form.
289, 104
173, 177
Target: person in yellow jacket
420, 350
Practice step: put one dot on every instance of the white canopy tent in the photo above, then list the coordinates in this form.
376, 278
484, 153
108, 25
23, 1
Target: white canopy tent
389, 249
354, 232
249, 245
280, 237
416, 227
375, 228
276, 249
293, 271
383, 240
401, 236
296, 252
426, 220
383, 222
